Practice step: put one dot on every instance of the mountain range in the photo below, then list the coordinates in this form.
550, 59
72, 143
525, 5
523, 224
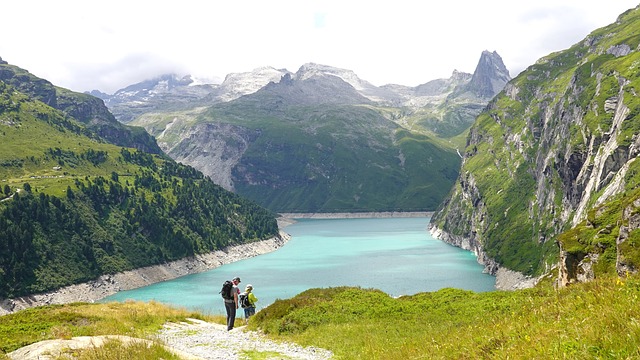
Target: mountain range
547, 182
317, 140
84, 194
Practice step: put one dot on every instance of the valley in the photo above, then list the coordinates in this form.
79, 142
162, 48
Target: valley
320, 139
537, 176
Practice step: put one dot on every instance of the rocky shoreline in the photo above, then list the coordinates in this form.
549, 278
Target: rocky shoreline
110, 284
107, 285
506, 279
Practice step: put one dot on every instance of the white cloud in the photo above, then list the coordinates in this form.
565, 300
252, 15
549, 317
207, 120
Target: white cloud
85, 45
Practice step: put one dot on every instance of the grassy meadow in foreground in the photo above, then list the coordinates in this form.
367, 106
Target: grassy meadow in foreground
597, 320
594, 320
135, 319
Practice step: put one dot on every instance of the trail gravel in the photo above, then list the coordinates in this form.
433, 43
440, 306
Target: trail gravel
213, 341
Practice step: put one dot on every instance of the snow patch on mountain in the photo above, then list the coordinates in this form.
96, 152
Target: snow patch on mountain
309, 70
239, 84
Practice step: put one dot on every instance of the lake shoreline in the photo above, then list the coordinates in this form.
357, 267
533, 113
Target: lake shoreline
110, 284
107, 285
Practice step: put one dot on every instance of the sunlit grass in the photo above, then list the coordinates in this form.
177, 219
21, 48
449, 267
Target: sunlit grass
117, 350
600, 319
135, 319
262, 355
594, 320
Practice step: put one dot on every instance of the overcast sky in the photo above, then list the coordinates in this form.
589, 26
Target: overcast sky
107, 45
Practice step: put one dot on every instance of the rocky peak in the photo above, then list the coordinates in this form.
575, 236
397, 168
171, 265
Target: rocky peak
313, 84
238, 84
439, 87
309, 70
490, 76
255, 76
170, 90
286, 79
460, 76
158, 84
99, 94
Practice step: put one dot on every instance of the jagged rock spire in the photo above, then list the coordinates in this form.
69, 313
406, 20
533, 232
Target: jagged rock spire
490, 75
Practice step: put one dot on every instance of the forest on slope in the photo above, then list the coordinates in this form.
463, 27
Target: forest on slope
74, 206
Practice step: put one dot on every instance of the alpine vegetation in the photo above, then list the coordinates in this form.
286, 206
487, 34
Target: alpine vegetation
81, 198
549, 178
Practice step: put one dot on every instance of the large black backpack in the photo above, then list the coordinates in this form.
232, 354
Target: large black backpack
243, 299
226, 290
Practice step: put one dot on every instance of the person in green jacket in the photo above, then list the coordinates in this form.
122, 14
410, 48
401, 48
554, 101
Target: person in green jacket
251, 309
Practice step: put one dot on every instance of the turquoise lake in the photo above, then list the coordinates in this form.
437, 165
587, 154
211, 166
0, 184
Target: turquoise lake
395, 255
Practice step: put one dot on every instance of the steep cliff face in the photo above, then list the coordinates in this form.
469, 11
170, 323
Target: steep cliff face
214, 148
550, 172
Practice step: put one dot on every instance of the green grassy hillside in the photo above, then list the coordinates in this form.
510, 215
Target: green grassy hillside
588, 321
597, 320
554, 150
329, 158
84, 108
74, 207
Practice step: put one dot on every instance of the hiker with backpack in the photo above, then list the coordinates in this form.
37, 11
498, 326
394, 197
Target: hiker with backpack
248, 302
230, 293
